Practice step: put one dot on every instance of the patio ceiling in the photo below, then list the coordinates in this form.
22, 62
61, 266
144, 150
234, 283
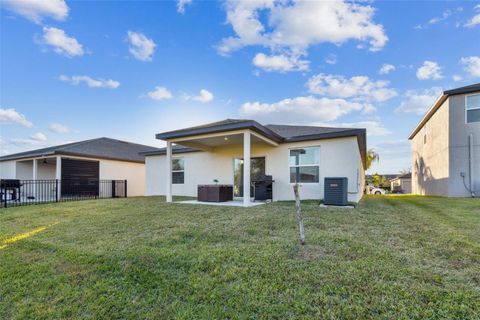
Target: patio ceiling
212, 141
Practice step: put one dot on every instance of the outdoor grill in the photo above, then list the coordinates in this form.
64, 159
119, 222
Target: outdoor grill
10, 186
263, 187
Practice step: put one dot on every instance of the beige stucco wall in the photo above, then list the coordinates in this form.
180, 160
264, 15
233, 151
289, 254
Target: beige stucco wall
133, 172
338, 157
459, 153
430, 159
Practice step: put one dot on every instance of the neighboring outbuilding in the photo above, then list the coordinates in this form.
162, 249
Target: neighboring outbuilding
401, 183
446, 146
215, 153
100, 159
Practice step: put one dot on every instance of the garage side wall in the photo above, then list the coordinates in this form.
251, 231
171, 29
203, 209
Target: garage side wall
122, 170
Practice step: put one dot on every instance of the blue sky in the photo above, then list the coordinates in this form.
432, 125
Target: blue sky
129, 69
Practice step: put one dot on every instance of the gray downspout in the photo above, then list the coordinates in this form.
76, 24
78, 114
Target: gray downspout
470, 164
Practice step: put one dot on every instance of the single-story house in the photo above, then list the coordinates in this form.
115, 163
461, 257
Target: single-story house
98, 159
233, 152
401, 183
446, 146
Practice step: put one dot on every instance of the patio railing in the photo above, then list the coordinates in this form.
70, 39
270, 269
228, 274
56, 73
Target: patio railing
14, 192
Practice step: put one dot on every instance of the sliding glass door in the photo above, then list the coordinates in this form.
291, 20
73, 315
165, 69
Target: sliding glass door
257, 168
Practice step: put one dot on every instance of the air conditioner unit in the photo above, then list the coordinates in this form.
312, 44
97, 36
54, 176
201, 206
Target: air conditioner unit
336, 191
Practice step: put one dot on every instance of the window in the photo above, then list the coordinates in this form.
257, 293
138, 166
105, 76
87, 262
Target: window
178, 171
472, 104
305, 165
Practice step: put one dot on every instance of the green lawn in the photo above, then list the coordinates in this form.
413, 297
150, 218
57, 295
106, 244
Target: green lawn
392, 257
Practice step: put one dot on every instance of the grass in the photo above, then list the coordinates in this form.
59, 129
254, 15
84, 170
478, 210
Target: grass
140, 258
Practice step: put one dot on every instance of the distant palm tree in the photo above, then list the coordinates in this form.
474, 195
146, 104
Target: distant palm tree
371, 157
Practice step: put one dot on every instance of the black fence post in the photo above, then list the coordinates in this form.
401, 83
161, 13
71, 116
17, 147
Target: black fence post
56, 190
125, 186
113, 188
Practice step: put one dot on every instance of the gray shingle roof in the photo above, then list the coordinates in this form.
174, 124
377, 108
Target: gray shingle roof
277, 133
289, 131
221, 126
467, 89
103, 148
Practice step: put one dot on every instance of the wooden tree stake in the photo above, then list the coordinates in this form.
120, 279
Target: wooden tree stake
298, 210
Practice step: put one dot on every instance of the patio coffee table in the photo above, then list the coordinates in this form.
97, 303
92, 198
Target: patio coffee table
215, 193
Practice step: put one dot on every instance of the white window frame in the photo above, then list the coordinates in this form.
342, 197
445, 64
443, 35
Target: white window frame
304, 165
467, 109
178, 158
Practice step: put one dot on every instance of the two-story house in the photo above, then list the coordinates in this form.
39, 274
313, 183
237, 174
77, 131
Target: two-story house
446, 146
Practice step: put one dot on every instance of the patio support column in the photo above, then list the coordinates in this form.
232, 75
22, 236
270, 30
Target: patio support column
58, 168
246, 169
34, 169
168, 166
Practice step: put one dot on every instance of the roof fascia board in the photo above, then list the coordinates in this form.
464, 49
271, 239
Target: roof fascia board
265, 139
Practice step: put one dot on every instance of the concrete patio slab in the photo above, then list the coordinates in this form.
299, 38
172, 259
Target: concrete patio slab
234, 203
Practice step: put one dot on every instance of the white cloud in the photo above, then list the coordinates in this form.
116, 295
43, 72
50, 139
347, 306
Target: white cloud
294, 26
297, 25
160, 93
281, 63
358, 87
92, 83
37, 10
386, 68
457, 78
12, 116
419, 101
368, 108
444, 16
475, 20
471, 65
331, 59
181, 5
204, 96
307, 109
39, 137
141, 47
59, 128
61, 42
429, 70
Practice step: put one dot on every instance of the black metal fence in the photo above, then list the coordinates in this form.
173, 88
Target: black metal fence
14, 192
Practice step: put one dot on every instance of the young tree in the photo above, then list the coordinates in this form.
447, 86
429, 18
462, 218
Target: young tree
298, 211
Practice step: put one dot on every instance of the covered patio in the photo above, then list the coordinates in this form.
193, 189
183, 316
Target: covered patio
238, 142
41, 168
